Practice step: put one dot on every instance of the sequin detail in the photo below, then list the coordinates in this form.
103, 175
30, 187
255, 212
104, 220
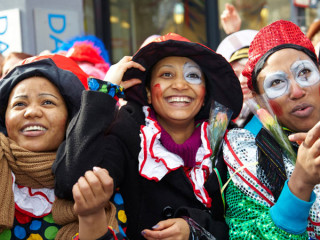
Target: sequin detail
249, 200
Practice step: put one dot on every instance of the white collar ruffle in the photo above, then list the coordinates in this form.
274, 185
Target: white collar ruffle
33, 202
155, 161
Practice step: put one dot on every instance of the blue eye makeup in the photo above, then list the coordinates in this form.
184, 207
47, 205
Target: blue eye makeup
305, 72
192, 73
276, 84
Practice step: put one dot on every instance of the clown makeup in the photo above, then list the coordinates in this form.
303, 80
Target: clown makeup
192, 73
305, 72
174, 99
277, 84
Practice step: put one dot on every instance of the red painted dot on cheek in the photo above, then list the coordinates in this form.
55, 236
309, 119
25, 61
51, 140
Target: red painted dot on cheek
156, 91
203, 90
276, 108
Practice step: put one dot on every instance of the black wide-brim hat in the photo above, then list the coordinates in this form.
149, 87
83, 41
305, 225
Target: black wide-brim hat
222, 84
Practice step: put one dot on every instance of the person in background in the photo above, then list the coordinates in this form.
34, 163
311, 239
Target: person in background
90, 54
230, 19
234, 48
155, 148
271, 195
313, 34
11, 60
149, 39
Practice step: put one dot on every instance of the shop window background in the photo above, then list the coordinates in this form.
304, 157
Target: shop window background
256, 14
132, 21
88, 14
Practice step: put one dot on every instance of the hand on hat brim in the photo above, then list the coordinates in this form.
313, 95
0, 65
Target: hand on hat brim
116, 72
130, 83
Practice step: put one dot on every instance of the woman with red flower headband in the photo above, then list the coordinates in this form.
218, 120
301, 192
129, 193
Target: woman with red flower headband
271, 196
156, 147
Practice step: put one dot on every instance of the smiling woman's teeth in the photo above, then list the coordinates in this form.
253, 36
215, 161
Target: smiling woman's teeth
34, 128
179, 99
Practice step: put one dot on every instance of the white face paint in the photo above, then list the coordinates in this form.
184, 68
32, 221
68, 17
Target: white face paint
192, 73
276, 84
305, 74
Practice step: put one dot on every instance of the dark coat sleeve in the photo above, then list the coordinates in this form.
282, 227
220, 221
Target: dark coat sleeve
88, 128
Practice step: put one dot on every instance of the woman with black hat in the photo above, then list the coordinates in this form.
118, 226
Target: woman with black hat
155, 148
37, 100
274, 196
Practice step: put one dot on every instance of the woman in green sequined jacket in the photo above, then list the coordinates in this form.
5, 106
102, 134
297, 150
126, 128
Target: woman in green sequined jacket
269, 196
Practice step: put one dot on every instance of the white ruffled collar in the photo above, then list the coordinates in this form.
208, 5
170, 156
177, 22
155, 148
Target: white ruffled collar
33, 202
155, 161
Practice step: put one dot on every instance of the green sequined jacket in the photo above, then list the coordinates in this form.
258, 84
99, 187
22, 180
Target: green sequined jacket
249, 201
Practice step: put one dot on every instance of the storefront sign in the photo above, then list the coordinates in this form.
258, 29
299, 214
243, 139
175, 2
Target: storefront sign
10, 31
53, 27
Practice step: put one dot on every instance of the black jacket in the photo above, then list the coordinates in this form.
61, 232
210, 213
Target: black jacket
95, 139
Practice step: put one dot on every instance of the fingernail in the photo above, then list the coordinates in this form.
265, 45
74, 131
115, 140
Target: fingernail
95, 169
155, 226
143, 233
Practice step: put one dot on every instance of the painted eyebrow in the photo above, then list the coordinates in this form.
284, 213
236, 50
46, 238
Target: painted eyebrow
41, 94
277, 74
191, 64
304, 62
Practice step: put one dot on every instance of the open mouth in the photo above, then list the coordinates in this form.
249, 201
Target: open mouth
303, 110
34, 128
183, 99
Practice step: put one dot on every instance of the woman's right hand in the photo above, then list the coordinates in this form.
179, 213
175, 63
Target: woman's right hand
91, 195
116, 72
92, 192
307, 169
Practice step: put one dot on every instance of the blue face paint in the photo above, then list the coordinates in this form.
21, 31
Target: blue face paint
192, 73
277, 84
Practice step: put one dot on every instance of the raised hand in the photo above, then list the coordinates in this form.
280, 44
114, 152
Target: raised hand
230, 19
307, 170
91, 195
92, 191
116, 72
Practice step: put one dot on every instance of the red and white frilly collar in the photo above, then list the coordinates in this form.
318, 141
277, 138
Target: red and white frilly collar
32, 202
155, 161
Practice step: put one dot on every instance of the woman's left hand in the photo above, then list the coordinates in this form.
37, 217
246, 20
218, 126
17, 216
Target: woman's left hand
175, 229
116, 72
